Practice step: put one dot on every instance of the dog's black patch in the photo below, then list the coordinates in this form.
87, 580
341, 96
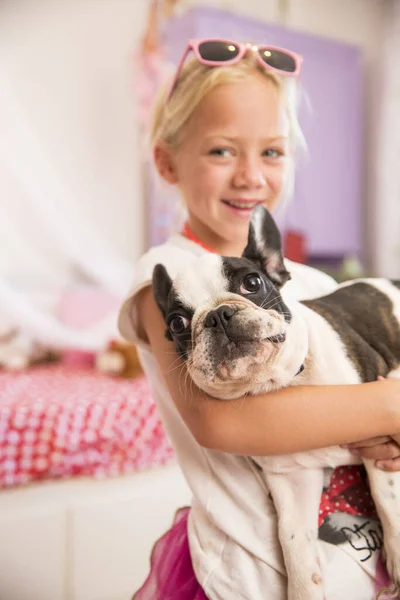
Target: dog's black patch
176, 309
172, 308
363, 317
235, 270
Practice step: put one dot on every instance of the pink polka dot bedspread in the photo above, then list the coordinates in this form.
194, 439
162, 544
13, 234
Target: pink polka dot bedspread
62, 421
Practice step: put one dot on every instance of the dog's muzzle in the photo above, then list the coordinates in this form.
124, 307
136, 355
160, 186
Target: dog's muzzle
221, 321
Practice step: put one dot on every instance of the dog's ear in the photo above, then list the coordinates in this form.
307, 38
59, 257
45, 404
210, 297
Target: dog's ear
162, 284
264, 246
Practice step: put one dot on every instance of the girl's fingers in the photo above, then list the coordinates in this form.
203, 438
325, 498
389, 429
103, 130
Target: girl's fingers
392, 465
376, 441
379, 452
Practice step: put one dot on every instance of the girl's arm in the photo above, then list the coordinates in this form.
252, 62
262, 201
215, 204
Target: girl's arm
293, 419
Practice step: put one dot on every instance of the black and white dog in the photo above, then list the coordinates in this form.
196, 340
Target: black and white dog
230, 323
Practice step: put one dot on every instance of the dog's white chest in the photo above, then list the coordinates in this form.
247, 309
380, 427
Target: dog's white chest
327, 360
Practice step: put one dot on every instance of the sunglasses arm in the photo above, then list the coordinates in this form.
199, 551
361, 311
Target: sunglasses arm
178, 71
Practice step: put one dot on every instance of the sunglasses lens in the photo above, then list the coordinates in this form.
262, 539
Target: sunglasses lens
278, 60
218, 51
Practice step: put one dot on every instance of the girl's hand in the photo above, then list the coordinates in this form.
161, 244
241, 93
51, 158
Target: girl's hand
385, 450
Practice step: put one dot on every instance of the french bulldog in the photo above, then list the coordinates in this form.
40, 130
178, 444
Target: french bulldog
240, 335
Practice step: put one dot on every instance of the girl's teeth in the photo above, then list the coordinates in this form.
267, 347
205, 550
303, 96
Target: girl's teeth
241, 205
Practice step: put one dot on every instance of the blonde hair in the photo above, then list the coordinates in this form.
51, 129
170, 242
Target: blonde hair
170, 117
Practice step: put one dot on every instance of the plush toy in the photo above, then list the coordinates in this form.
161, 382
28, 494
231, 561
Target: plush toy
19, 351
120, 358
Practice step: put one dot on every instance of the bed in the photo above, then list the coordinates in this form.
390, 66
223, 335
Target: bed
88, 483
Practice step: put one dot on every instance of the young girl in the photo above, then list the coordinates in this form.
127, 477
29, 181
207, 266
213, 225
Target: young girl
225, 133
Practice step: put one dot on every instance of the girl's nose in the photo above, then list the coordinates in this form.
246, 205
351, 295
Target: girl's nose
249, 175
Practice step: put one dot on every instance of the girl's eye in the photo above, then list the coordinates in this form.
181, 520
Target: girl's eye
273, 153
178, 324
251, 284
223, 152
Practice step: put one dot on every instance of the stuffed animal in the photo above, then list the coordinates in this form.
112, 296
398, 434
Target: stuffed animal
19, 351
120, 359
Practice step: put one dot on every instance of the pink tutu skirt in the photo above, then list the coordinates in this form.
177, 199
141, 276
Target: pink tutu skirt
171, 574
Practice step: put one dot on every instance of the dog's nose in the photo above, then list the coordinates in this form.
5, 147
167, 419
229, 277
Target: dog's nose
220, 317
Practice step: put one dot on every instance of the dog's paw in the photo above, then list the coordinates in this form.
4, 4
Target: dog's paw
307, 584
315, 591
391, 556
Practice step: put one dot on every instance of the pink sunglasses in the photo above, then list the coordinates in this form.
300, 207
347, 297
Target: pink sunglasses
215, 52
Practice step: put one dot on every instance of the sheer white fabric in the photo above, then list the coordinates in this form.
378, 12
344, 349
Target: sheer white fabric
33, 192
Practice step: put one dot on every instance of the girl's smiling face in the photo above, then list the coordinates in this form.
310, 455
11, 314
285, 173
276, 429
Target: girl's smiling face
233, 156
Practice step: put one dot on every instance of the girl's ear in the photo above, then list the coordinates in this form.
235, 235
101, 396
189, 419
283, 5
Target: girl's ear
164, 161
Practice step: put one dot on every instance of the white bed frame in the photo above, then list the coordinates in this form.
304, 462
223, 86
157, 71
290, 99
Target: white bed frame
82, 539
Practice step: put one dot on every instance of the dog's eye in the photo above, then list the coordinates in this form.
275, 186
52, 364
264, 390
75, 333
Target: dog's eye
178, 324
251, 284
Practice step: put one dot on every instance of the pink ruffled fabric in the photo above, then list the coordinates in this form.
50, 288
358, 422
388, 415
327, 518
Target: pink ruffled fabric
384, 587
171, 575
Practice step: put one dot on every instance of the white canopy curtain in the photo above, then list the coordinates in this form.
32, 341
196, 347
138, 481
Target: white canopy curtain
53, 209
386, 213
